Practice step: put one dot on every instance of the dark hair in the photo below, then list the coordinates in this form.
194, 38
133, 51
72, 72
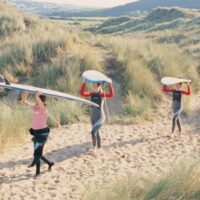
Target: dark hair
98, 84
43, 98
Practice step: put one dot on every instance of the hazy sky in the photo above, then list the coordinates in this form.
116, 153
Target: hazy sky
91, 3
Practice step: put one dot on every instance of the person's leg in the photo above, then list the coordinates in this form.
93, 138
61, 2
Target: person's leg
37, 168
33, 162
94, 139
179, 125
98, 140
97, 119
50, 164
37, 157
174, 123
94, 142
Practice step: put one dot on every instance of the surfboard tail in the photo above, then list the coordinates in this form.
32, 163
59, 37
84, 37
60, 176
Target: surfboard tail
2, 80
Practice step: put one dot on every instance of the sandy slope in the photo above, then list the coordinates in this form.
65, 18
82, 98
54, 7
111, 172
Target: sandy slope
143, 148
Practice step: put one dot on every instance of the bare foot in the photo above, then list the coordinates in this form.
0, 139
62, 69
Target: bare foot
175, 135
171, 135
179, 134
93, 152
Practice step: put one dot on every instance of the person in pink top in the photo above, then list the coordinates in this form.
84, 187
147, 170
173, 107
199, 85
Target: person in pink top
39, 129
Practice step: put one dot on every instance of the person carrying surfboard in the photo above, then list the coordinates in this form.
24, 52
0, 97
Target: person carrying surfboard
97, 115
177, 103
39, 129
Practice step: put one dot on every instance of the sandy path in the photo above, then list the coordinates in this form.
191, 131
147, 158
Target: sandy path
142, 148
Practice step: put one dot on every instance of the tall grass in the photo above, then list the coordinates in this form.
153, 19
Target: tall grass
140, 65
181, 183
44, 51
14, 125
45, 54
64, 112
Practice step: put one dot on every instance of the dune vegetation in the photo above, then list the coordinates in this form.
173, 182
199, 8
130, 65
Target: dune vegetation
181, 183
136, 52
136, 55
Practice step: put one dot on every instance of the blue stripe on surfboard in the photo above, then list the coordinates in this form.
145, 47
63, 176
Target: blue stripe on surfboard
95, 81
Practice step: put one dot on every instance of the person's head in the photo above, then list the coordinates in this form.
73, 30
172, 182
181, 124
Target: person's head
97, 87
178, 85
42, 98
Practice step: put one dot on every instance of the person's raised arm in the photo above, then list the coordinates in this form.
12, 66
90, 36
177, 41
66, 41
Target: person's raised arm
39, 101
188, 92
24, 99
110, 93
166, 89
83, 92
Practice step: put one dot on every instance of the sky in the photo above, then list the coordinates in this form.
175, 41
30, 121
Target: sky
91, 3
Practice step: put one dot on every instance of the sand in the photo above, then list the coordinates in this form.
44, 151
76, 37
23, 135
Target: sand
142, 148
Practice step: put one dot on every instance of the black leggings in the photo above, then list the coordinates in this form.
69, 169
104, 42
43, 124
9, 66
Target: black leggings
175, 121
96, 139
38, 151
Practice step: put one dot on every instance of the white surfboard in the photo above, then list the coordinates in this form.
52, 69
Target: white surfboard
46, 92
93, 76
173, 80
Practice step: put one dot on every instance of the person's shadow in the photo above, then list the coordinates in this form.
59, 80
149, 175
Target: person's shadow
57, 155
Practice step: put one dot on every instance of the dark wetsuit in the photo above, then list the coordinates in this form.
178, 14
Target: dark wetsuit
97, 115
39, 139
177, 105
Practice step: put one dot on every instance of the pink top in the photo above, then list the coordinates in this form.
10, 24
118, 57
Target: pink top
39, 119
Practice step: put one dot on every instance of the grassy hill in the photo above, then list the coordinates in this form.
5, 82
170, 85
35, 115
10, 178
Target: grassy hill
164, 42
162, 25
53, 54
165, 18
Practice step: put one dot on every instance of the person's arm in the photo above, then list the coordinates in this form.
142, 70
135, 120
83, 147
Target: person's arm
24, 99
166, 89
188, 92
110, 94
41, 105
83, 92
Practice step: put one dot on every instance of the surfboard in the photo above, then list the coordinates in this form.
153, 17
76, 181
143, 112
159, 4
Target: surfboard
51, 93
173, 80
93, 76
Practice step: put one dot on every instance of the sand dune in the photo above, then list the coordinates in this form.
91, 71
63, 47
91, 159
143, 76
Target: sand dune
143, 148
